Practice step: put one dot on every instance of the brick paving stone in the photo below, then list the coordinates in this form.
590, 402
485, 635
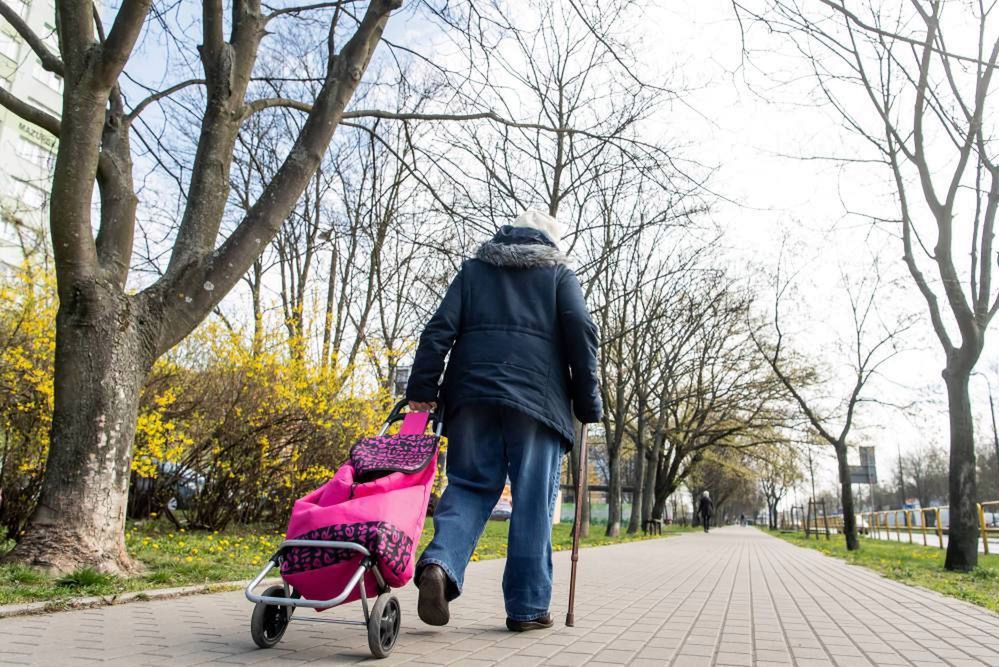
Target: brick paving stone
731, 598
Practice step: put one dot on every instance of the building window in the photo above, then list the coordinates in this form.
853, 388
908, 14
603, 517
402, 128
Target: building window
52, 81
9, 46
51, 38
35, 154
31, 198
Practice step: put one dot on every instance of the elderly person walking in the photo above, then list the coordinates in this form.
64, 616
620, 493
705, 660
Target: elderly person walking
706, 508
523, 358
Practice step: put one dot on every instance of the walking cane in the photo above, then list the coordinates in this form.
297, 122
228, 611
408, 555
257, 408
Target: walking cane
570, 619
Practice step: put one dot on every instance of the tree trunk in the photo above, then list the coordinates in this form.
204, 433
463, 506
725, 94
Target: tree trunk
846, 497
104, 350
962, 541
649, 493
258, 308
324, 355
659, 506
614, 494
638, 494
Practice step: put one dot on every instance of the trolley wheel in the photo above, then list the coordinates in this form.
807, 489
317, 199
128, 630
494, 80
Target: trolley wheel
268, 623
383, 625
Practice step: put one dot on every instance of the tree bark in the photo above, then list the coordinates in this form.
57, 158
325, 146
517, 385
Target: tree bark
649, 492
638, 494
104, 349
661, 496
331, 283
962, 543
258, 308
614, 495
846, 495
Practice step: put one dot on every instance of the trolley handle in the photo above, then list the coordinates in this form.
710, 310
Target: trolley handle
397, 414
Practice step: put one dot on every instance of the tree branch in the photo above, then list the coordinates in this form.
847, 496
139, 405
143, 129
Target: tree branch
272, 102
50, 61
197, 288
851, 17
125, 30
156, 97
274, 13
30, 113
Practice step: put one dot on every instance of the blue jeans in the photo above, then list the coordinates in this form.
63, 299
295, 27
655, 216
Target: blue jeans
485, 445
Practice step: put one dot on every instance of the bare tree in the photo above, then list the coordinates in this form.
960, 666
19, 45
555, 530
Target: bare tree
778, 469
729, 476
634, 270
927, 470
715, 392
108, 338
873, 343
915, 82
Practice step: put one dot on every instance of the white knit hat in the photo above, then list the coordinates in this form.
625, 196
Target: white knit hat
535, 218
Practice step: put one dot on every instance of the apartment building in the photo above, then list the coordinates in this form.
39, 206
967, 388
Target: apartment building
27, 153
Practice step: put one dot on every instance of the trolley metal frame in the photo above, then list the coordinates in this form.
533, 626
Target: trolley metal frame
293, 600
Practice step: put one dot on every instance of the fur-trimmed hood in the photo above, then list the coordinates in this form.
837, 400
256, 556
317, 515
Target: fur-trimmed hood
520, 248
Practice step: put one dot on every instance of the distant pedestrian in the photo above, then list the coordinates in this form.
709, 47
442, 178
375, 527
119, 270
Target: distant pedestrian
742, 519
705, 508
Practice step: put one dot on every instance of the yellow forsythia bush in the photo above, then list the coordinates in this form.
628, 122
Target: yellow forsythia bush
230, 432
238, 435
27, 350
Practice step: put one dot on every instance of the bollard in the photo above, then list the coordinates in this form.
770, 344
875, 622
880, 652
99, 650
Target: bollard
939, 527
983, 527
825, 518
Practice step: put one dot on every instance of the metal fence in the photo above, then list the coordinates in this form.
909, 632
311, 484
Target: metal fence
928, 524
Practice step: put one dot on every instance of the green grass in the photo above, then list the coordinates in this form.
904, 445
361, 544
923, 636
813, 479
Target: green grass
174, 557
915, 565
493, 541
86, 579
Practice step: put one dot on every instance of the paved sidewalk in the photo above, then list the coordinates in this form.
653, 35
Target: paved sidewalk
733, 597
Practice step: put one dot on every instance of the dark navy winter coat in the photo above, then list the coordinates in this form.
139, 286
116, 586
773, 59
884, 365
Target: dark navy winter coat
516, 325
706, 506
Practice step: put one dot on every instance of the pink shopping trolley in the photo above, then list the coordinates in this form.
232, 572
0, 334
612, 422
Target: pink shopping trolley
355, 537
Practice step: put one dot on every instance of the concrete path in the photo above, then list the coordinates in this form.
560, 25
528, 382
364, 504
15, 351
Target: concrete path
733, 597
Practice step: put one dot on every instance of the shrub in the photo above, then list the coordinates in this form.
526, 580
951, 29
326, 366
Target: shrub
234, 429
242, 436
27, 351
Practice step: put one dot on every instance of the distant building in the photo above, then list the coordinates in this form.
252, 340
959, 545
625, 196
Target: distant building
28, 151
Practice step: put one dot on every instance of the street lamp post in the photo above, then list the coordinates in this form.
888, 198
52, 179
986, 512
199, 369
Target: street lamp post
992, 410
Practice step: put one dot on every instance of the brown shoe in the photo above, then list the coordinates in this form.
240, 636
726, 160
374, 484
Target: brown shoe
540, 623
432, 606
